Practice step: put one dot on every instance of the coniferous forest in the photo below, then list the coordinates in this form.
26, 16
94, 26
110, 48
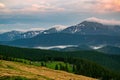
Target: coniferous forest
87, 63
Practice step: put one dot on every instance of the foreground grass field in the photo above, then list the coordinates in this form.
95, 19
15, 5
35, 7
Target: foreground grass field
9, 68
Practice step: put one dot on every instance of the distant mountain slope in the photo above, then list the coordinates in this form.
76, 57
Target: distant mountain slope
14, 35
30, 34
93, 28
110, 50
65, 39
9, 68
8, 36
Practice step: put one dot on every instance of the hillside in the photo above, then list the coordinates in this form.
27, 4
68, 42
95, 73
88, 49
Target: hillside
110, 49
109, 61
88, 63
9, 68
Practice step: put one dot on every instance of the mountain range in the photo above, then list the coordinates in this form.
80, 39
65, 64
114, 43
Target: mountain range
83, 28
88, 33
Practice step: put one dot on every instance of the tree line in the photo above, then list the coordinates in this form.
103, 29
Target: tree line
79, 66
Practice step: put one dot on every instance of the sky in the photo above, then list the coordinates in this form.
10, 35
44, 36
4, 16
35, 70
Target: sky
40, 14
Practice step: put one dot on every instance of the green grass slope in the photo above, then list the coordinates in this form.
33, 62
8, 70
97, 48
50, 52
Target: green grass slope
10, 70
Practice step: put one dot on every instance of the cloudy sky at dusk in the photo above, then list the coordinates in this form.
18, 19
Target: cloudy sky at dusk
30, 14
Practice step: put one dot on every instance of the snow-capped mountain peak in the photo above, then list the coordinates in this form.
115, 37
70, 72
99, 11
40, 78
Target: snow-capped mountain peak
103, 21
55, 29
13, 35
59, 27
31, 34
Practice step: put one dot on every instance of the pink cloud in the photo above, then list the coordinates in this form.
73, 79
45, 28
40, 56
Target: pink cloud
34, 8
4, 9
46, 8
106, 6
88, 6
2, 5
38, 8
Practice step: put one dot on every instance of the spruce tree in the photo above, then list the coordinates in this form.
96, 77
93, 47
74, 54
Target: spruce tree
56, 67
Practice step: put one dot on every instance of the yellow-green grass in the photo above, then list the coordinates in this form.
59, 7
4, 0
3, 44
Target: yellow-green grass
52, 64
9, 68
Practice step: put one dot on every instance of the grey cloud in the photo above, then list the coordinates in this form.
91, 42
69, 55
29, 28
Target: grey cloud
92, 2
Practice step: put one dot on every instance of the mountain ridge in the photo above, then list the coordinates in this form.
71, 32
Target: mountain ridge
89, 33
85, 28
